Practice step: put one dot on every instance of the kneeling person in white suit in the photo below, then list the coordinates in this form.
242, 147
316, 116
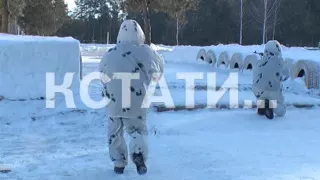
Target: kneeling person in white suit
130, 55
268, 75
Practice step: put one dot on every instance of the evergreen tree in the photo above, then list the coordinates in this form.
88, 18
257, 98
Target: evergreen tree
101, 17
294, 22
43, 17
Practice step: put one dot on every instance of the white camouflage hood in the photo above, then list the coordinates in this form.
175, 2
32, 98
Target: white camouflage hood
131, 32
273, 48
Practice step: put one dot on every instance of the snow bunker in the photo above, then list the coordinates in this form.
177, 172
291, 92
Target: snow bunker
250, 61
223, 59
211, 57
307, 70
25, 61
236, 61
202, 55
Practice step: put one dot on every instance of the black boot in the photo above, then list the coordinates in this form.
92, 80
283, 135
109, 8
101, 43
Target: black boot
269, 111
118, 170
139, 162
261, 111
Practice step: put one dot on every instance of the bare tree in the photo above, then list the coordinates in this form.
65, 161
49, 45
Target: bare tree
177, 10
244, 19
180, 21
276, 20
263, 12
143, 6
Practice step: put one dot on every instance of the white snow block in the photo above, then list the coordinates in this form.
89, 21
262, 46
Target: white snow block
25, 60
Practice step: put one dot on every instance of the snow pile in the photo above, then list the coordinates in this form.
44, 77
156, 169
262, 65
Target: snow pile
296, 85
161, 48
100, 49
182, 54
95, 49
25, 60
298, 53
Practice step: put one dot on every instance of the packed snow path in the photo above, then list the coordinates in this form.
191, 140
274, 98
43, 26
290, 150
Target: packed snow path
195, 145
206, 144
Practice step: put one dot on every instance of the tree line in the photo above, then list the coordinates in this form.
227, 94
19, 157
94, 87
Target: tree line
33, 17
185, 22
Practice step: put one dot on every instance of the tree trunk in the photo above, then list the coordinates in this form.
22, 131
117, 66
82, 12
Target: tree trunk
92, 37
5, 17
147, 22
110, 30
264, 22
276, 18
274, 24
241, 21
177, 33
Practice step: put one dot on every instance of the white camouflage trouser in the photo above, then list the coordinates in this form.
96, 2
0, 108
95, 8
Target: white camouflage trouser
281, 108
137, 130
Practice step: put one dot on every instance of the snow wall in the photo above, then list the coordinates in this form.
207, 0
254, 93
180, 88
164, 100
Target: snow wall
25, 60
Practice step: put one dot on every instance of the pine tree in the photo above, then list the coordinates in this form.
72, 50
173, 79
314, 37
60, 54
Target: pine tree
43, 17
97, 15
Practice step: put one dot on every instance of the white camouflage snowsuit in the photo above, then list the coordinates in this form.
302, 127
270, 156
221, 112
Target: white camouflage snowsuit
130, 55
268, 75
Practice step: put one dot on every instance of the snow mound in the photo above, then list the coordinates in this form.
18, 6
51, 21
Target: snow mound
95, 49
182, 54
161, 48
25, 60
296, 85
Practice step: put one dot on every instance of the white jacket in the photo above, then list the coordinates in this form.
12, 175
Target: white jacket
130, 55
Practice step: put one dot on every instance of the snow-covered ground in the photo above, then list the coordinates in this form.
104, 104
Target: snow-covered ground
71, 144
233, 145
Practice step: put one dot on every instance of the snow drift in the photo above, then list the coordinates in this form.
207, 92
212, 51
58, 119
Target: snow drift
25, 60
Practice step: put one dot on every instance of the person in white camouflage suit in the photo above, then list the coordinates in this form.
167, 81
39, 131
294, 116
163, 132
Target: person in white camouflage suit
130, 55
268, 75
